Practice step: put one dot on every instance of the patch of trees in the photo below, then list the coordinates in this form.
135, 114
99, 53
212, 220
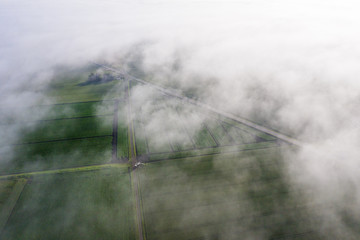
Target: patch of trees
96, 78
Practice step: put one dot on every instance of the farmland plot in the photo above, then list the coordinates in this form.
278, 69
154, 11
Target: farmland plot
53, 155
93, 205
76, 109
68, 129
221, 198
10, 191
71, 87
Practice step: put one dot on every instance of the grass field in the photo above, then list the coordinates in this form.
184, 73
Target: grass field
93, 205
68, 135
10, 191
53, 155
68, 87
221, 197
77, 109
68, 129
123, 143
6, 188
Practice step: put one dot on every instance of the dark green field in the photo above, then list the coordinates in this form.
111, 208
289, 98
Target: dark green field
72, 174
93, 205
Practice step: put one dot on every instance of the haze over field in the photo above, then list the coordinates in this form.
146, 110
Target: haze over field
292, 66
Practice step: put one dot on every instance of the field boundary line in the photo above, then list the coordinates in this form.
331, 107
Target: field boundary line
61, 140
212, 154
135, 206
60, 119
68, 103
131, 134
183, 126
142, 211
139, 222
10, 203
71, 118
114, 141
66, 170
216, 150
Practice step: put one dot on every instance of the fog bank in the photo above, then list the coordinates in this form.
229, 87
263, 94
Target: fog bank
291, 66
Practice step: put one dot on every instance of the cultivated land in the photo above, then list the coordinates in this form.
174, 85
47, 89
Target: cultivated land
76, 174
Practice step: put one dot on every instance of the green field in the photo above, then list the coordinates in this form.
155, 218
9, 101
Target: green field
54, 155
70, 110
122, 136
93, 205
68, 129
10, 191
67, 87
71, 174
221, 198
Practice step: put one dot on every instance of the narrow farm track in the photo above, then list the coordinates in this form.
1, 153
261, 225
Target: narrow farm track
166, 134
115, 131
133, 161
132, 146
210, 154
66, 103
232, 140
183, 127
69, 118
215, 147
205, 106
145, 134
66, 170
60, 140
211, 134
138, 205
7, 210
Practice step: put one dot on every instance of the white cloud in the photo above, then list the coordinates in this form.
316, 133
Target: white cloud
292, 65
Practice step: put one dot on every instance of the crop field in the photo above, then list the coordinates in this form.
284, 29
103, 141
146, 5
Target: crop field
74, 110
222, 197
71, 86
98, 166
10, 191
61, 154
99, 202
